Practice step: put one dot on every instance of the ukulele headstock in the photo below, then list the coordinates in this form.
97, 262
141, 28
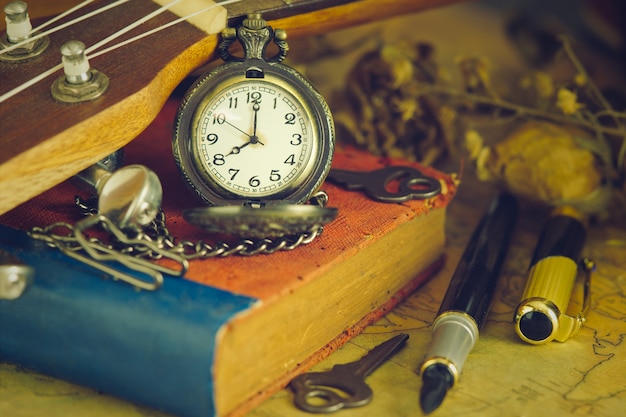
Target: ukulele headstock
57, 121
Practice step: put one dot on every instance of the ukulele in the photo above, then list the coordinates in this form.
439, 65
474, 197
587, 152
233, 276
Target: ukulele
44, 141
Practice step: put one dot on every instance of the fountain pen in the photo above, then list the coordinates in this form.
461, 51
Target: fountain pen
542, 316
467, 300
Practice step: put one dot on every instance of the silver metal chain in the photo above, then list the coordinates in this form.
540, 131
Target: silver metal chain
138, 249
158, 235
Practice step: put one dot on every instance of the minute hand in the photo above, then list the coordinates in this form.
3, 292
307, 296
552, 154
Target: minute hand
256, 108
235, 127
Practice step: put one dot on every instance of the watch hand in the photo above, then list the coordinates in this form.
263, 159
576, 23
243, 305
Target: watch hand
254, 138
256, 108
232, 125
237, 149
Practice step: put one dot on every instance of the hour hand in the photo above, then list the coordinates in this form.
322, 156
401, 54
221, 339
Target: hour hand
237, 149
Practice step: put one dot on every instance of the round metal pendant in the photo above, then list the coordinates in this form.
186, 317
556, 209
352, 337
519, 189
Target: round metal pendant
255, 140
253, 131
266, 222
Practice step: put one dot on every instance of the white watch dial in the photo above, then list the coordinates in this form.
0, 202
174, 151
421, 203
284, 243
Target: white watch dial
255, 138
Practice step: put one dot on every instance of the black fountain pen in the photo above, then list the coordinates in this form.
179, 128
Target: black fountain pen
467, 301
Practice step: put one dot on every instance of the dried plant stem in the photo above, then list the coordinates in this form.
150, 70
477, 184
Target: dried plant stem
567, 48
608, 109
519, 109
611, 113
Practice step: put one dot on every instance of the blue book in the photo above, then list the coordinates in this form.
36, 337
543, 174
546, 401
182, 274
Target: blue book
154, 348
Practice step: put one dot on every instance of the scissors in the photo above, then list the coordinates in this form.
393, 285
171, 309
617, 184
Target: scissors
412, 183
318, 392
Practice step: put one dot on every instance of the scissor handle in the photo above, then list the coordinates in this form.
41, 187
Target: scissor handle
312, 387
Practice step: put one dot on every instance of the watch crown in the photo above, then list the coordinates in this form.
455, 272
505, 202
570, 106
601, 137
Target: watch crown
254, 21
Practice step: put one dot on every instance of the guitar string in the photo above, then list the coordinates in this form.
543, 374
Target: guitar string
58, 67
158, 29
132, 26
63, 26
61, 16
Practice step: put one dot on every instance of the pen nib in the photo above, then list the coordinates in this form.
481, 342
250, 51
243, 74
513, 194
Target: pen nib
437, 379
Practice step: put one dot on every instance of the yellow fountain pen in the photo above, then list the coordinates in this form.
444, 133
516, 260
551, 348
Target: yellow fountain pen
541, 315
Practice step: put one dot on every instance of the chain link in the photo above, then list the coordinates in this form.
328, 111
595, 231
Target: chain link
138, 249
157, 234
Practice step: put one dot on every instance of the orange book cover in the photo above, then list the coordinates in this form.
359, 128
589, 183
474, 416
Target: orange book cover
299, 305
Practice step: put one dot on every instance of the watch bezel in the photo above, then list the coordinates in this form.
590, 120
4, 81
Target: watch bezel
229, 73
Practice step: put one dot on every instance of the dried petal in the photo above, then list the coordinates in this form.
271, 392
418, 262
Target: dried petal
580, 79
542, 161
543, 84
473, 143
567, 101
400, 64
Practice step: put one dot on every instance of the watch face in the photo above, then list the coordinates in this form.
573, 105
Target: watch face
254, 132
254, 138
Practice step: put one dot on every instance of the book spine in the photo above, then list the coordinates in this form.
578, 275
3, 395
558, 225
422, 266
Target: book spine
152, 348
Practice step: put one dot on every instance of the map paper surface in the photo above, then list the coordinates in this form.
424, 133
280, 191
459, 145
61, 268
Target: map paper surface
503, 376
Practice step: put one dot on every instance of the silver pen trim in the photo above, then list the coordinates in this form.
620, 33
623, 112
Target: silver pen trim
454, 336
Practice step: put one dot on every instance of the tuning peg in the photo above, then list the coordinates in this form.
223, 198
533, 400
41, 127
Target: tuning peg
21, 43
80, 82
15, 276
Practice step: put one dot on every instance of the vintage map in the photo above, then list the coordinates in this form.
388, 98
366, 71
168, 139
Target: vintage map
503, 376
585, 376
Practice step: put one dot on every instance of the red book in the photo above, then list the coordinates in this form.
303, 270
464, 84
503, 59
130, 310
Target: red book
301, 304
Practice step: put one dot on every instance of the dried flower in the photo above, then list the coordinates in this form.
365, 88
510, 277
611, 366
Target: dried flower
567, 101
400, 61
544, 85
476, 74
542, 161
473, 143
391, 114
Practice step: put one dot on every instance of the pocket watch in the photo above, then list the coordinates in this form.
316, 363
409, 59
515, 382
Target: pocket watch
253, 133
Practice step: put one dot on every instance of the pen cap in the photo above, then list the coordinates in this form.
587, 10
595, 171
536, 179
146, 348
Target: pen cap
540, 316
